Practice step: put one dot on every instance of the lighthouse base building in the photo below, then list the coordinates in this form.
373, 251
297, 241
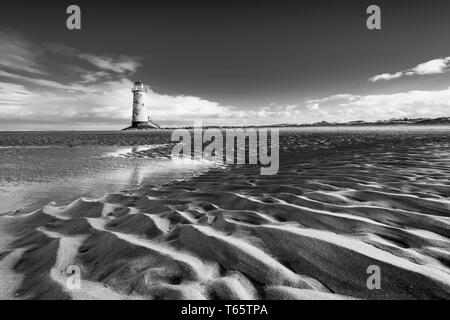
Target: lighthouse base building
140, 119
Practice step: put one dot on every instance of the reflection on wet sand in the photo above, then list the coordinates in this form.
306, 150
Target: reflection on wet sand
64, 174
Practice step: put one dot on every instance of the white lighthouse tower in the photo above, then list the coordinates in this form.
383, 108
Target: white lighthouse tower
140, 114
140, 119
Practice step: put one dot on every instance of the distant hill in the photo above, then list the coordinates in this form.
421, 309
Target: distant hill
443, 120
403, 121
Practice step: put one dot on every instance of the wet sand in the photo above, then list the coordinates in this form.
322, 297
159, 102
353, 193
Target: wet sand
342, 201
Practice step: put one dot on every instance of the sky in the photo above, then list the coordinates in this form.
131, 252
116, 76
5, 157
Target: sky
221, 62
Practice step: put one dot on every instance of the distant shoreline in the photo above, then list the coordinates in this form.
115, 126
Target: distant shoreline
379, 123
421, 122
368, 126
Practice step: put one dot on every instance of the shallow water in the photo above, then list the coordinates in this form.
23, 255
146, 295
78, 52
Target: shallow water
33, 176
41, 167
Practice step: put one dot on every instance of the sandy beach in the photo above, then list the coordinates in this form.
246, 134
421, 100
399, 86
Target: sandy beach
342, 201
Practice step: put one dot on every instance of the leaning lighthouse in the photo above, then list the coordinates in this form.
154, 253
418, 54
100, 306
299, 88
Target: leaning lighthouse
139, 118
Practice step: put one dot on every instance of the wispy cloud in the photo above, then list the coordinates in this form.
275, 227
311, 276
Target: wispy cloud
119, 64
386, 76
17, 53
43, 82
89, 76
435, 66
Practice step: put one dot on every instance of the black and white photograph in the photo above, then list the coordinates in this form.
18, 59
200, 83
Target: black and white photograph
225, 150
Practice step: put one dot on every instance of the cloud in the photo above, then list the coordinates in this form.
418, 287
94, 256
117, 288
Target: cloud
188, 107
435, 66
119, 64
386, 76
17, 53
42, 82
411, 104
105, 105
313, 106
13, 96
332, 98
89, 76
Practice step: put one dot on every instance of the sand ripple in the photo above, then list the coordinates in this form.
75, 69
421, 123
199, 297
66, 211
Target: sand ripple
309, 232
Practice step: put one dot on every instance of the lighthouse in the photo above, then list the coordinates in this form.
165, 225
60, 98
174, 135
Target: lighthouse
140, 114
139, 118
